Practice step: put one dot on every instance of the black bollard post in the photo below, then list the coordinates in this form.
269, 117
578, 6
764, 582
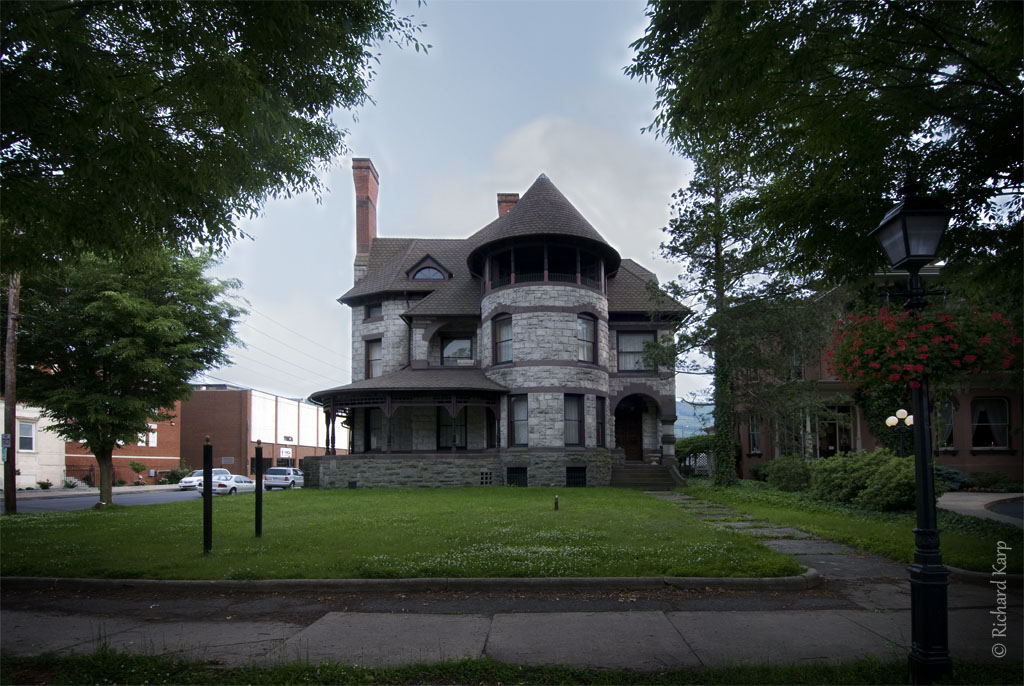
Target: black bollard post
207, 497
259, 489
556, 502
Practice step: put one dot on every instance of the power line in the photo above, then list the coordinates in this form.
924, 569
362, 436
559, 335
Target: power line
277, 340
293, 332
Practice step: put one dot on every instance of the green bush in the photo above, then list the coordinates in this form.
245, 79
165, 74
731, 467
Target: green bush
690, 447
176, 475
893, 486
790, 473
44, 484
120, 482
760, 471
952, 479
990, 481
841, 478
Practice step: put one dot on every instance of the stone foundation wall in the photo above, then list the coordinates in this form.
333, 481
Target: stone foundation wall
439, 470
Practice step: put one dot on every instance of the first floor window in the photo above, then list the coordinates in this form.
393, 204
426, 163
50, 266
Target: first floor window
989, 425
503, 340
573, 419
26, 437
944, 426
631, 350
600, 417
374, 358
374, 429
518, 422
754, 433
834, 432
451, 431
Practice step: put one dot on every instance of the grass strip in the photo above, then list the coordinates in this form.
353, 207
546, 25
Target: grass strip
966, 542
109, 667
343, 534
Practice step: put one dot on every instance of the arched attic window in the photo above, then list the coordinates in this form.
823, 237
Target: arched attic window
428, 274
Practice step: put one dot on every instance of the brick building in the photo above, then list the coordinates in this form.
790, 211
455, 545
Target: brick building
513, 356
159, 449
235, 418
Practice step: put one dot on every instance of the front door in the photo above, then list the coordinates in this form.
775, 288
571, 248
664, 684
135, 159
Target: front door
629, 428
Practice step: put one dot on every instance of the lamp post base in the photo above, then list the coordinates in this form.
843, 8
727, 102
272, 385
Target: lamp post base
929, 655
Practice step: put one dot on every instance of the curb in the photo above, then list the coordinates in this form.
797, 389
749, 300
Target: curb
984, 578
808, 579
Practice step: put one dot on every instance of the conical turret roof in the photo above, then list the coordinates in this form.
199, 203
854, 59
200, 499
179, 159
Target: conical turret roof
542, 212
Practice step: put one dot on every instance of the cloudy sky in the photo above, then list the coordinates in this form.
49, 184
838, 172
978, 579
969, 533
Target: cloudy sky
509, 90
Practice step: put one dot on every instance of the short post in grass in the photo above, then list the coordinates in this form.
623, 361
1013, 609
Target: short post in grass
556, 502
207, 497
259, 488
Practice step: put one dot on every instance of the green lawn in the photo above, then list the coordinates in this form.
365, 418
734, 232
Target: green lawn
471, 532
965, 542
108, 667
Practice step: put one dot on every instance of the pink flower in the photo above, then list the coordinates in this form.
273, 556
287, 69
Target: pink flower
918, 368
874, 365
923, 356
915, 384
985, 339
869, 351
956, 363
894, 377
969, 358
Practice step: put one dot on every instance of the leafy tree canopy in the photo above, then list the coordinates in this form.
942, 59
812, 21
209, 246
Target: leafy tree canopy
826, 103
107, 346
125, 123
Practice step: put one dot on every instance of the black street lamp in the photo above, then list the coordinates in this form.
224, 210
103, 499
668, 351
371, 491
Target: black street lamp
901, 422
910, 236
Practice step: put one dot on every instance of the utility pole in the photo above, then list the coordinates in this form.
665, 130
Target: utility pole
10, 396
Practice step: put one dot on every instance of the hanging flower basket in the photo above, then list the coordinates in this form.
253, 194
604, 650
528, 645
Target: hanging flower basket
897, 348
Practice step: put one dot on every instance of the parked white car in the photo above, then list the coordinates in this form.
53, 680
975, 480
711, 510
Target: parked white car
190, 482
283, 477
232, 484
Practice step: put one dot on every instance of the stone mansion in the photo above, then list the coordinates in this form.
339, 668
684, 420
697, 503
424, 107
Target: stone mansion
514, 356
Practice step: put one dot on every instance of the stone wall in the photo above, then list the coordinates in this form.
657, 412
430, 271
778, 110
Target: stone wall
544, 468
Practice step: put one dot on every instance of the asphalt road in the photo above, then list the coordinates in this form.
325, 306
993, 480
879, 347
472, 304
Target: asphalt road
66, 503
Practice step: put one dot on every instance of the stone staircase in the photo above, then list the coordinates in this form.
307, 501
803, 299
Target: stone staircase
643, 477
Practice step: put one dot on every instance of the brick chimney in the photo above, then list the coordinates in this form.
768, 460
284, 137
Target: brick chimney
366, 180
506, 201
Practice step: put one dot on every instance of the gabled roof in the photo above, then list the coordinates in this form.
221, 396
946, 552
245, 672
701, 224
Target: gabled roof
542, 211
391, 260
630, 291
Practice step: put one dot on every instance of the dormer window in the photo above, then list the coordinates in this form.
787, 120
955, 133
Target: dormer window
428, 274
428, 269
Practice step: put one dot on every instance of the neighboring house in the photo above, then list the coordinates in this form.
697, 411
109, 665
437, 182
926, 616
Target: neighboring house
159, 449
979, 431
235, 418
513, 356
693, 419
39, 454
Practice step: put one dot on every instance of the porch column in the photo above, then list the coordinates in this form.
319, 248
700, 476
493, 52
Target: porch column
333, 420
327, 430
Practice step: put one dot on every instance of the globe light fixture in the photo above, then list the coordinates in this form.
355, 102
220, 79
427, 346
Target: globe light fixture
901, 422
909, 235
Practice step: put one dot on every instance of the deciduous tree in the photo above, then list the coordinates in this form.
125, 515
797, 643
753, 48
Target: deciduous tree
107, 346
123, 124
827, 102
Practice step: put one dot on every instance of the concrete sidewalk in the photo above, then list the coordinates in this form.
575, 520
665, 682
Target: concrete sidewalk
860, 608
977, 504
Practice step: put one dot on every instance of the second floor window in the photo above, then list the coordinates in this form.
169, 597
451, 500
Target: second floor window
456, 351
944, 426
586, 339
26, 437
374, 359
503, 340
631, 350
989, 425
374, 310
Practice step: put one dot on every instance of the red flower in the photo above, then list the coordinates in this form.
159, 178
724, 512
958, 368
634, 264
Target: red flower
915, 384
894, 377
923, 356
869, 351
985, 339
956, 363
918, 368
969, 358
874, 365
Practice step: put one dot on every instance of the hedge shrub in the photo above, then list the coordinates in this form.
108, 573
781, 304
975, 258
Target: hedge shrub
839, 479
789, 473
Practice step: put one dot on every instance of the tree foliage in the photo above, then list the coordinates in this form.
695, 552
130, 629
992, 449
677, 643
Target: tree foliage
125, 123
757, 327
826, 103
106, 346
